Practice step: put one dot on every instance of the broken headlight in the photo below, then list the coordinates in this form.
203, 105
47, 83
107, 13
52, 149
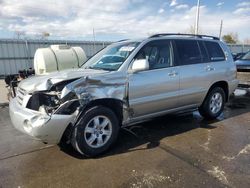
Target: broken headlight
44, 102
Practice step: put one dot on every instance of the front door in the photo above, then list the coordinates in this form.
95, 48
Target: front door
156, 89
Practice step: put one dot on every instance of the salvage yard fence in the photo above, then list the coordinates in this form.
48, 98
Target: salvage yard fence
17, 54
239, 48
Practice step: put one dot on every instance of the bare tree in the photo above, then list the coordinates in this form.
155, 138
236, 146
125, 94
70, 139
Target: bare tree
41, 36
191, 30
246, 41
19, 34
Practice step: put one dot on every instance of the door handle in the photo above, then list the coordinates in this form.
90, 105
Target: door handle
209, 68
172, 74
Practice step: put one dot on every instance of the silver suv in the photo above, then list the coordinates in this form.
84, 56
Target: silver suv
125, 83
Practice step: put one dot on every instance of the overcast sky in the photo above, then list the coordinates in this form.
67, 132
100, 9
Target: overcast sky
119, 19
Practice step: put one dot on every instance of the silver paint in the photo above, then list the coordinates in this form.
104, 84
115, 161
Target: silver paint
144, 94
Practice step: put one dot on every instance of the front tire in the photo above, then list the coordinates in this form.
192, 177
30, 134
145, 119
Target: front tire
95, 132
213, 104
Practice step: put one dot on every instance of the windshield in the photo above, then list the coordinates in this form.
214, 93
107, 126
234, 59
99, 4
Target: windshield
246, 56
111, 57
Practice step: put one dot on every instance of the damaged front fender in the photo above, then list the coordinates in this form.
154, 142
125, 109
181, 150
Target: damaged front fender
87, 89
72, 98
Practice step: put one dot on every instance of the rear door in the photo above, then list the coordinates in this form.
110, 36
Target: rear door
194, 71
220, 68
156, 89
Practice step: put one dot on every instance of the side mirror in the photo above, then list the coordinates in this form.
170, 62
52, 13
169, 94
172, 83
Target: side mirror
140, 65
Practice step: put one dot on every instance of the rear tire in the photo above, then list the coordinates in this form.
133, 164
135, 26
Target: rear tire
96, 131
213, 104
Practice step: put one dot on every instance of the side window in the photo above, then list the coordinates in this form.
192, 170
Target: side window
215, 52
158, 53
204, 55
188, 52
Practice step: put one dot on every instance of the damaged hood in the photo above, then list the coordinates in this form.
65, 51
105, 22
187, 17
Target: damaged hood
44, 82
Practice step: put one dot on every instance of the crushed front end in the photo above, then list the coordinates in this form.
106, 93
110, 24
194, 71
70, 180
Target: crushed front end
45, 111
42, 115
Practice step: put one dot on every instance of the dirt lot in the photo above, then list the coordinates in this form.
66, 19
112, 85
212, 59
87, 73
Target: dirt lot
171, 151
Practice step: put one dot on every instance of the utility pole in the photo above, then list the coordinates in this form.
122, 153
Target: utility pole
197, 18
221, 24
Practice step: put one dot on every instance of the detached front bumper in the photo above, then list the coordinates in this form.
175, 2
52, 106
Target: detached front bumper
38, 125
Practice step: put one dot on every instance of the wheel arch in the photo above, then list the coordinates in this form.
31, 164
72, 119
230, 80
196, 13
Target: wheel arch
115, 105
222, 84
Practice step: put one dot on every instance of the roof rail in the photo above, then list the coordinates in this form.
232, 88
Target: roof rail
182, 34
122, 40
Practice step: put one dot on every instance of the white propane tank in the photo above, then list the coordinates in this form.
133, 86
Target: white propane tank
58, 57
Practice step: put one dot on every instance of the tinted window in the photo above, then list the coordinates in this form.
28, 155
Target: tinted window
188, 52
214, 50
204, 55
158, 53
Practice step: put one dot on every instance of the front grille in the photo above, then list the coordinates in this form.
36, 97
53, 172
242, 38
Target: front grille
20, 93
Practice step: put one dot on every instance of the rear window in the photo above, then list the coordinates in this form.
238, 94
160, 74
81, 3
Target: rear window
188, 52
214, 51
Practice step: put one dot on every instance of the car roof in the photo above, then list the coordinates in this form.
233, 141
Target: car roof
179, 35
162, 36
